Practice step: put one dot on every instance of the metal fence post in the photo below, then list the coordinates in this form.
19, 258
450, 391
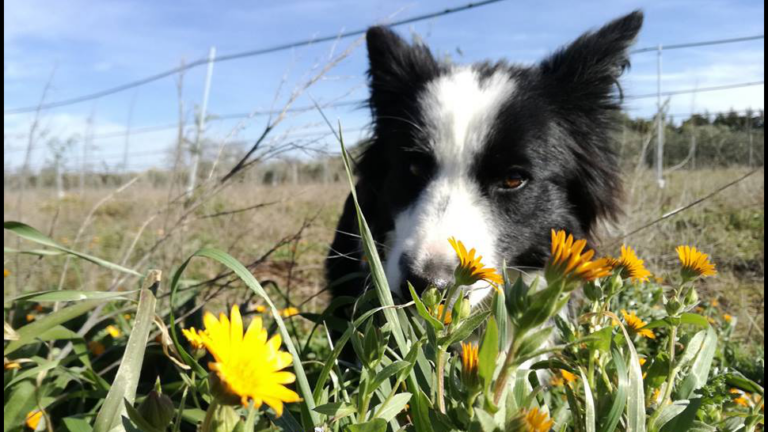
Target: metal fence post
197, 146
661, 128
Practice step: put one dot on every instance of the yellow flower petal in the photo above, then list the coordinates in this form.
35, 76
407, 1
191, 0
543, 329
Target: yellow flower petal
248, 363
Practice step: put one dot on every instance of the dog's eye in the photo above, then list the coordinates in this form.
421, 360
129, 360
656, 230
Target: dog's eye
417, 169
514, 181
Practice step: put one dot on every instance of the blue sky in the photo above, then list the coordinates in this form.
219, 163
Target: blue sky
90, 45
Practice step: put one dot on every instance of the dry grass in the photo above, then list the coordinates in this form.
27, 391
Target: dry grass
730, 226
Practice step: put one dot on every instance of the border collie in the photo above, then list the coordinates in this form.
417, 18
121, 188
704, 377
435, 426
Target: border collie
494, 154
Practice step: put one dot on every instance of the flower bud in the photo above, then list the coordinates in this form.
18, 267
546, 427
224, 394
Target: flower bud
223, 419
692, 298
465, 310
431, 297
674, 307
157, 409
593, 292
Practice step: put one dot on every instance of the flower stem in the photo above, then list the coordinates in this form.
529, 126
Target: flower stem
441, 379
206, 426
506, 371
672, 368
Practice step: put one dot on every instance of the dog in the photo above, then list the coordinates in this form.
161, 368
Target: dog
494, 154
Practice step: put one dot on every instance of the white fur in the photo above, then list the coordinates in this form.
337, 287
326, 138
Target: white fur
459, 111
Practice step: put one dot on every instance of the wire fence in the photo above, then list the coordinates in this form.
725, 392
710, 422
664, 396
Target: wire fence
713, 140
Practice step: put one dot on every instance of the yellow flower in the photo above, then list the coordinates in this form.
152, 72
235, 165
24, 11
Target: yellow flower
643, 362
569, 261
289, 312
471, 268
557, 381
728, 318
194, 337
695, 263
30, 317
11, 365
715, 303
438, 312
33, 419
6, 273
656, 398
630, 266
96, 348
249, 365
538, 421
127, 317
568, 377
470, 364
260, 309
113, 331
637, 325
743, 401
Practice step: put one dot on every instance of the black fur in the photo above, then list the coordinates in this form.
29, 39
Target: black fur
555, 131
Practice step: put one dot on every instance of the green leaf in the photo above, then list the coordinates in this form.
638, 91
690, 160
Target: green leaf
127, 378
137, 419
687, 318
636, 416
389, 371
17, 405
743, 383
376, 425
28, 233
699, 372
31, 331
337, 410
590, 414
394, 407
66, 296
423, 312
532, 343
76, 424
489, 353
684, 421
620, 397
669, 412
465, 329
692, 350
502, 319
600, 340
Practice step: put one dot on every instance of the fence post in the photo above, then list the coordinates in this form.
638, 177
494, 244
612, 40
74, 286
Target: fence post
197, 145
127, 143
661, 128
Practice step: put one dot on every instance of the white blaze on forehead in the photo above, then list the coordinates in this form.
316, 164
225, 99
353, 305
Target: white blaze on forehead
459, 110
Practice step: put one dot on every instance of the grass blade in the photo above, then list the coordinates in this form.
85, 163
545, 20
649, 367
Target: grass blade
28, 233
622, 392
127, 378
31, 331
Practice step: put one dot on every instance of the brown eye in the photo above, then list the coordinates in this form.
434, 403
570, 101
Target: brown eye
514, 181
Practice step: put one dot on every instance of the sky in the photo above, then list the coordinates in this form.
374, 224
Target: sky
82, 46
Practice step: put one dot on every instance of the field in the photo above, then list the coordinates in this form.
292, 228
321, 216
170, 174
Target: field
281, 235
287, 238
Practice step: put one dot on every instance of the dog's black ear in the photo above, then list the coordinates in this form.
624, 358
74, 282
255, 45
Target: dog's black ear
586, 72
396, 67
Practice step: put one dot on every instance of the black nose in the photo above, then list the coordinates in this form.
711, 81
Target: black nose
432, 273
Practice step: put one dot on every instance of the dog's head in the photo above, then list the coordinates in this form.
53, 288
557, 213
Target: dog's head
495, 155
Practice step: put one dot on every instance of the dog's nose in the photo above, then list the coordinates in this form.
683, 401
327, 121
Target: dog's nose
434, 272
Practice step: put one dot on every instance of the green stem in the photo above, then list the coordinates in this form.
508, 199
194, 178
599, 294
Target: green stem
672, 368
506, 371
389, 398
441, 379
206, 426
250, 421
